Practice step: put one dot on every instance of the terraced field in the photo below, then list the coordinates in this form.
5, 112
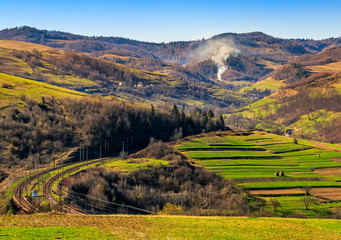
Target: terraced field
251, 159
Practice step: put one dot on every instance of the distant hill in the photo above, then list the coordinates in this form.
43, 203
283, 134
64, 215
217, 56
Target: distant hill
273, 73
259, 53
101, 76
306, 99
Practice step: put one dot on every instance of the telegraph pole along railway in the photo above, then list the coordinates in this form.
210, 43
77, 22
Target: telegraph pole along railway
21, 198
49, 177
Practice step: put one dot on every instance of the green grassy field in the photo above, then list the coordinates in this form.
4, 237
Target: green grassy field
251, 160
10, 96
269, 83
48, 226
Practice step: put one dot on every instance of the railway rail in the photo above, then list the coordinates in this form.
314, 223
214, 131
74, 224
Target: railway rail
26, 206
23, 202
48, 189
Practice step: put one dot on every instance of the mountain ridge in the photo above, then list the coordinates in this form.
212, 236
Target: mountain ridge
253, 47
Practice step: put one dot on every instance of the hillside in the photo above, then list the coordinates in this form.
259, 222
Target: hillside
91, 75
14, 90
255, 161
258, 55
305, 97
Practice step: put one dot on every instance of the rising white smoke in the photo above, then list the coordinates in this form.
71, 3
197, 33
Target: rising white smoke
221, 70
218, 50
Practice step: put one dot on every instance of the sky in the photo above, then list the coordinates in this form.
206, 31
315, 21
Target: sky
174, 20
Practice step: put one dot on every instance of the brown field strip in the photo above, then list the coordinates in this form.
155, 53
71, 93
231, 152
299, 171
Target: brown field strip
336, 159
328, 171
265, 143
327, 194
325, 147
277, 192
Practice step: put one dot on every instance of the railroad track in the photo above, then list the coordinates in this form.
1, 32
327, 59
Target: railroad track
26, 206
48, 189
23, 203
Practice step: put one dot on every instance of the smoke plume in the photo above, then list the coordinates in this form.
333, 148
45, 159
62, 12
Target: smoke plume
218, 50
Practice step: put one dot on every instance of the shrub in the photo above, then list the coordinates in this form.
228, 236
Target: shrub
298, 214
7, 85
171, 209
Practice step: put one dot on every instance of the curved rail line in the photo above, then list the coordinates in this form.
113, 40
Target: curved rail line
26, 206
23, 203
48, 189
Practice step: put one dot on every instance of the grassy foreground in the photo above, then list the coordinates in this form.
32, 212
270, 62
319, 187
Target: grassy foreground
47, 226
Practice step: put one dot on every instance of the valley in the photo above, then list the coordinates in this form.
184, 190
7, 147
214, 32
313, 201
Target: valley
114, 138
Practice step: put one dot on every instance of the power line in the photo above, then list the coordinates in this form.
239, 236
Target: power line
116, 204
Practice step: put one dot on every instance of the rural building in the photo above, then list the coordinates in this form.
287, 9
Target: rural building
34, 193
288, 132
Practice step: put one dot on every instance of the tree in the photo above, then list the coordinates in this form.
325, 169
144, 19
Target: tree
308, 200
307, 190
175, 112
123, 155
210, 114
221, 122
275, 203
152, 110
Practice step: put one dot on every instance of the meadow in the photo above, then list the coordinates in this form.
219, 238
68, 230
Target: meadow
18, 87
52, 226
251, 160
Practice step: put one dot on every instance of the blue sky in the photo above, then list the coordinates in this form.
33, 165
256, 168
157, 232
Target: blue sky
174, 20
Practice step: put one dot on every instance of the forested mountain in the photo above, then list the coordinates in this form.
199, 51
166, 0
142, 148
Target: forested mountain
258, 53
281, 74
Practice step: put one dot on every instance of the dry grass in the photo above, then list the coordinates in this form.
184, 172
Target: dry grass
19, 45
165, 227
328, 171
324, 146
327, 194
334, 67
336, 159
277, 192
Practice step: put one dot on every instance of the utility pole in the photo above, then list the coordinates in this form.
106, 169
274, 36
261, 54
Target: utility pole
26, 183
83, 152
48, 168
87, 154
127, 144
80, 152
42, 181
100, 151
105, 146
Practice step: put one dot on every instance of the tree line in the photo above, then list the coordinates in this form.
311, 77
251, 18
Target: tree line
45, 128
194, 190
